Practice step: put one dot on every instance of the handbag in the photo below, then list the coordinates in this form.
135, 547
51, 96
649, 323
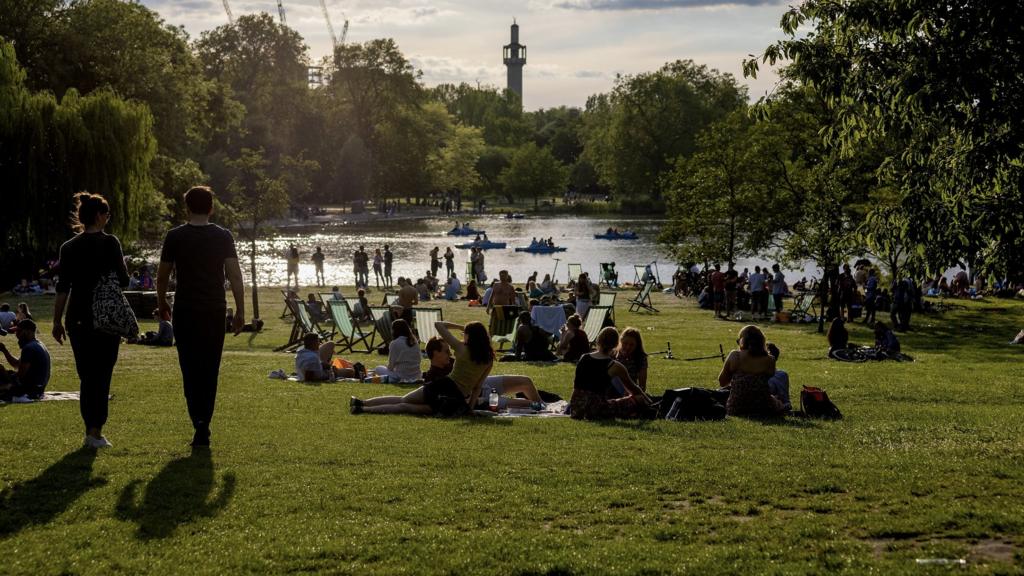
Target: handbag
111, 313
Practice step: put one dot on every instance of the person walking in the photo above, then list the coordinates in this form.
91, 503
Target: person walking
389, 258
201, 255
293, 266
364, 267
449, 261
318, 263
378, 260
84, 260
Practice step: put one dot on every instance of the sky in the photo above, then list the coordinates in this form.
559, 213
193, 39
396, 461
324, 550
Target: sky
575, 47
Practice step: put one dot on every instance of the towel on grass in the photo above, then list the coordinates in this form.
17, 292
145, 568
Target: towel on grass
553, 410
47, 397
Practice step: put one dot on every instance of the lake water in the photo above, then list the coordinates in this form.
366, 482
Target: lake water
412, 240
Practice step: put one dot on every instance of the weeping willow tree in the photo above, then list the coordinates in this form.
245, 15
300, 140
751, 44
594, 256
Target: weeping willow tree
50, 150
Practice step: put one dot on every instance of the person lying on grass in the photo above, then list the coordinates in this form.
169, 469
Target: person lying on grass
441, 363
745, 373
313, 361
593, 395
451, 395
403, 355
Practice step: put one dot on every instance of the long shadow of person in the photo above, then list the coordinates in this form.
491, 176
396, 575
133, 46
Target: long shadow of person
177, 495
43, 498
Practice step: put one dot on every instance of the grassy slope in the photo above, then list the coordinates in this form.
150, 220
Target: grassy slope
928, 462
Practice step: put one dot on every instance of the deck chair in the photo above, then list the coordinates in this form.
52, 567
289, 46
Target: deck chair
642, 300
609, 276
574, 272
347, 331
592, 326
390, 298
382, 319
297, 332
503, 324
502, 339
288, 295
425, 319
522, 301
639, 271
608, 299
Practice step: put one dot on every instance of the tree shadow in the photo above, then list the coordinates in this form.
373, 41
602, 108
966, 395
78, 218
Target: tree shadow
177, 495
43, 498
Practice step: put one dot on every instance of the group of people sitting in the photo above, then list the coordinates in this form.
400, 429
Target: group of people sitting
886, 345
542, 243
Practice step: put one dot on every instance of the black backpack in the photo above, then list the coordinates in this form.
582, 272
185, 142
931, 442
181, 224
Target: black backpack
815, 403
693, 404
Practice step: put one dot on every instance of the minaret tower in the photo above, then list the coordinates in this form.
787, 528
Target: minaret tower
515, 59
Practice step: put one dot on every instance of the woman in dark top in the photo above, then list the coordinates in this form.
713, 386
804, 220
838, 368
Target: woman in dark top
838, 336
593, 394
532, 343
574, 341
92, 254
745, 373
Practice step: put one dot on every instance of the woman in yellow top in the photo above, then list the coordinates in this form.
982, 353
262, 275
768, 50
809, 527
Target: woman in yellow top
452, 395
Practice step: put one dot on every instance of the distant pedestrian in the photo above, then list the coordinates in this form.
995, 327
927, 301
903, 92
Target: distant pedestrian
378, 261
364, 266
778, 287
318, 263
84, 260
293, 266
435, 260
201, 255
449, 261
389, 258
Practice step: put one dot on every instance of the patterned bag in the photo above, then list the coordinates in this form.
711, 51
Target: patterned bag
111, 313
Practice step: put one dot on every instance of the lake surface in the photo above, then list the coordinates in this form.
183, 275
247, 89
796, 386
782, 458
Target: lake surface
412, 240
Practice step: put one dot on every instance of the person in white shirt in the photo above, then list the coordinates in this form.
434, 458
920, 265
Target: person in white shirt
313, 361
403, 356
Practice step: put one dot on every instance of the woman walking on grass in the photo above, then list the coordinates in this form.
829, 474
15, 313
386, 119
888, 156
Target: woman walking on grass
452, 395
85, 259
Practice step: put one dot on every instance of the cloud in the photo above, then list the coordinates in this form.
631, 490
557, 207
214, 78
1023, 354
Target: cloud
610, 5
589, 74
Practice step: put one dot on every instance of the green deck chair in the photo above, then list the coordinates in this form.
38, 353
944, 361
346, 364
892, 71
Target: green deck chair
382, 319
296, 334
347, 334
503, 324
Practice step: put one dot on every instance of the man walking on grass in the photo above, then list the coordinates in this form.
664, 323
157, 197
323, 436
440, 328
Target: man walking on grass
201, 254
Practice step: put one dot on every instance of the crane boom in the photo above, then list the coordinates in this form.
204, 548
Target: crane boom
280, 12
344, 30
330, 27
227, 8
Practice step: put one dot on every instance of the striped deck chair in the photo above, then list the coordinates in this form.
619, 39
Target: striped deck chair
503, 324
522, 301
297, 332
288, 295
595, 322
642, 300
639, 271
382, 319
425, 319
574, 272
347, 334
390, 299
469, 272
608, 299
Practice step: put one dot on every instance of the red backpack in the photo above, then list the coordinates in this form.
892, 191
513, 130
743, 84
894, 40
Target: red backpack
814, 403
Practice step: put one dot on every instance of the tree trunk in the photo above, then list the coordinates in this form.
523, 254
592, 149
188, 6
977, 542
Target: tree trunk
252, 272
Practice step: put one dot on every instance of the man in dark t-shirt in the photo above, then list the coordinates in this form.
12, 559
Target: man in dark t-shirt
202, 255
32, 368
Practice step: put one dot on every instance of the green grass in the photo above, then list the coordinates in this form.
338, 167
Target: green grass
929, 462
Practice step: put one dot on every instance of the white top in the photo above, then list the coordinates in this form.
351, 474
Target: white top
404, 360
307, 360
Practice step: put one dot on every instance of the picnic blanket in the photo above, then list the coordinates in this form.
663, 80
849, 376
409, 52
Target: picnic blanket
47, 397
553, 410
548, 318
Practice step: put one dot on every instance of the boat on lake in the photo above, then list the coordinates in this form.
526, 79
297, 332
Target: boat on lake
482, 245
540, 249
464, 231
616, 235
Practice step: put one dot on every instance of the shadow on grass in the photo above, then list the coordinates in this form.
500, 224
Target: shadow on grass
177, 495
43, 498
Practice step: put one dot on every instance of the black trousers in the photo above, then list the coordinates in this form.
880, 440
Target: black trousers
199, 333
95, 357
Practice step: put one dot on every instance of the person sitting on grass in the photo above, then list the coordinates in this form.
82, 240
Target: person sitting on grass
403, 356
630, 353
439, 354
164, 335
315, 307
886, 342
472, 293
574, 342
594, 396
23, 312
313, 361
745, 373
778, 384
31, 371
533, 344
441, 363
452, 288
451, 395
838, 336
7, 318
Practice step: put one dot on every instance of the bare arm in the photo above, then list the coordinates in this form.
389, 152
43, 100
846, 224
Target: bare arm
475, 393
445, 328
616, 369
14, 362
163, 277
234, 274
58, 315
725, 376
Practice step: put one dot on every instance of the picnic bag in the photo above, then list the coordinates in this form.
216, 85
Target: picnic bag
690, 404
814, 403
111, 313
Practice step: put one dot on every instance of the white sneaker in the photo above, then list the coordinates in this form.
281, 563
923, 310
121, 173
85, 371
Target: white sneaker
97, 443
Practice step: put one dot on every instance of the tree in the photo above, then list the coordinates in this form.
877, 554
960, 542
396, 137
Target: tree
634, 135
255, 198
453, 167
501, 118
51, 149
943, 79
533, 172
722, 202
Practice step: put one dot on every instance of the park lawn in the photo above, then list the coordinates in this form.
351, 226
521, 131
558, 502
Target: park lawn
928, 462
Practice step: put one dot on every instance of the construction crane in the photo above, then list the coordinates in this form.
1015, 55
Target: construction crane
227, 8
344, 29
330, 27
280, 12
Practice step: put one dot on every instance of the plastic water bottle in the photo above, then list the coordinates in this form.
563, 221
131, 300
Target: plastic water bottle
492, 400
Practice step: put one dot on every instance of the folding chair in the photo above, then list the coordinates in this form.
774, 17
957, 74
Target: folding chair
503, 324
639, 271
348, 331
502, 339
306, 321
288, 295
425, 319
607, 299
390, 299
643, 299
609, 277
297, 332
592, 326
574, 272
382, 319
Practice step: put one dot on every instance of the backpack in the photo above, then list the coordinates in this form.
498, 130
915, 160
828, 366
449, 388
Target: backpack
814, 403
690, 404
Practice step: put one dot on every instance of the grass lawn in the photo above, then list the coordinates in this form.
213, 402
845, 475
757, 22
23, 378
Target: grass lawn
929, 462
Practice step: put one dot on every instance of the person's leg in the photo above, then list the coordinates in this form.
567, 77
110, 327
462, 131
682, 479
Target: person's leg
414, 397
200, 335
399, 408
514, 384
95, 355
